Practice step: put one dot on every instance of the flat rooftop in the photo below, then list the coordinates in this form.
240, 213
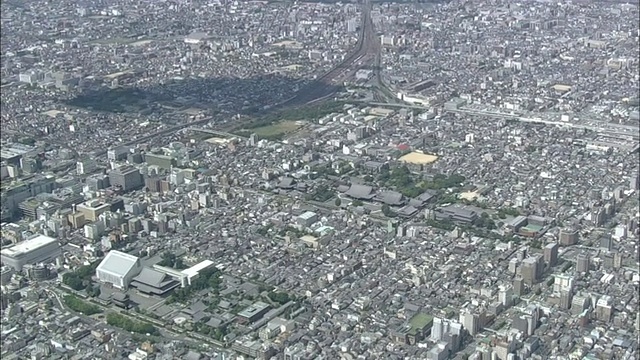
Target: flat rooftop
253, 309
195, 269
12, 150
307, 215
28, 245
419, 321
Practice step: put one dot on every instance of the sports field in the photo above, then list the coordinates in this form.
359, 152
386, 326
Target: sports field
418, 158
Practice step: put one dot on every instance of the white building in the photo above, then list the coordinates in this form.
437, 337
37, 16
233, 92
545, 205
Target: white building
29, 252
118, 269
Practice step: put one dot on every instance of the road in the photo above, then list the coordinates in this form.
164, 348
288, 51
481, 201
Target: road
57, 299
593, 125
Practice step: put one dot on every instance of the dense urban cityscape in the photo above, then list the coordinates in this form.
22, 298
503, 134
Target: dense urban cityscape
213, 179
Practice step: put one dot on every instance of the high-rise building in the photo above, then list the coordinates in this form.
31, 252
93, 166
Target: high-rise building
562, 282
437, 329
85, 166
505, 295
153, 184
518, 286
527, 321
127, 177
579, 303
470, 322
598, 216
352, 25
604, 309
634, 182
568, 237
566, 296
582, 263
531, 269
551, 254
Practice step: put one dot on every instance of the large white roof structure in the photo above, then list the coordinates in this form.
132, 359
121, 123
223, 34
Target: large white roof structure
28, 246
117, 263
197, 268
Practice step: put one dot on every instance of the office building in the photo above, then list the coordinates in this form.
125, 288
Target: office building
582, 263
117, 153
562, 282
580, 303
93, 209
505, 295
440, 351
634, 182
604, 309
97, 182
439, 328
127, 178
118, 269
470, 322
551, 254
531, 269
40, 249
86, 166
154, 184
568, 237
518, 286
566, 297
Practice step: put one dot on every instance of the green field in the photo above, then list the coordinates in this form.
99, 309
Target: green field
277, 129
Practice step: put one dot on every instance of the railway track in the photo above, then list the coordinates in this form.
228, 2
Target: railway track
323, 86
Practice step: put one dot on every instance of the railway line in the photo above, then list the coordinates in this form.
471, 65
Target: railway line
323, 86
320, 89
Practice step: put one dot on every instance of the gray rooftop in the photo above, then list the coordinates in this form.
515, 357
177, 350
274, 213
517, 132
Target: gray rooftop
150, 277
358, 191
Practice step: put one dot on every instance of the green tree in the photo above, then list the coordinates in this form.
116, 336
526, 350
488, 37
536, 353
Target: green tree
386, 210
338, 202
170, 259
280, 297
93, 291
357, 203
80, 306
127, 324
73, 281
